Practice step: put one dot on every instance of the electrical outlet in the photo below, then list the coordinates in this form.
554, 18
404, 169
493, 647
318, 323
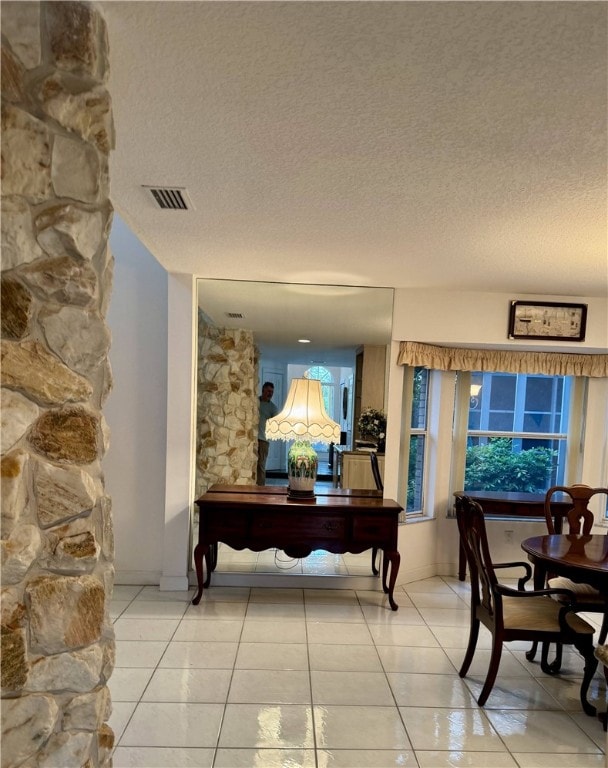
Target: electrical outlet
509, 536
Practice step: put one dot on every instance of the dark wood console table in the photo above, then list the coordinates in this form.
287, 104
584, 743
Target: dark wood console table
262, 517
512, 504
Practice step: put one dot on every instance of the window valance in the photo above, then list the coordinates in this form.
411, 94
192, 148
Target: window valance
460, 359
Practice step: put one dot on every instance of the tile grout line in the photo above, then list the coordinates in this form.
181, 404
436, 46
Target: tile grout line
366, 621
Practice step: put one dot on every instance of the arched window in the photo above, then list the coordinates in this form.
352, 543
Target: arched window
320, 373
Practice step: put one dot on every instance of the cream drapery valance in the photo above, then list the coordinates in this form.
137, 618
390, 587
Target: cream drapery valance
459, 359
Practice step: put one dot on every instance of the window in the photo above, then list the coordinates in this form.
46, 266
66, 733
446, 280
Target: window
416, 437
321, 374
519, 433
328, 387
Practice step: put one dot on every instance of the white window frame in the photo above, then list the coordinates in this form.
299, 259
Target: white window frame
574, 435
407, 432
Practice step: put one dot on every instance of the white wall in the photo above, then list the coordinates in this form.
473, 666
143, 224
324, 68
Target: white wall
465, 318
136, 410
481, 319
181, 428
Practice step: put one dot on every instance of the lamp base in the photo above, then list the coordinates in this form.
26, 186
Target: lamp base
300, 495
302, 466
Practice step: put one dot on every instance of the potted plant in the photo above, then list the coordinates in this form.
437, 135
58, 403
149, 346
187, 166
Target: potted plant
372, 427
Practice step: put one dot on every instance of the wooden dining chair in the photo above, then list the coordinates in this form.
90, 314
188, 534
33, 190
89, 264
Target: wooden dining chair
516, 614
579, 519
373, 458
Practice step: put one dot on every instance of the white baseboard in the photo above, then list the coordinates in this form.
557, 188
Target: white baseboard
173, 583
137, 578
407, 575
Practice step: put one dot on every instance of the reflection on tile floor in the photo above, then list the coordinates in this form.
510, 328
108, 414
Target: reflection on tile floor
332, 678
318, 563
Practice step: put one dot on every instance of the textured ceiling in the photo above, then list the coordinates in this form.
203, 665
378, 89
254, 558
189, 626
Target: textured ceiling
401, 144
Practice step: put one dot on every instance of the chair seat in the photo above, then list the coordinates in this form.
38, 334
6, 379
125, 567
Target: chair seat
601, 653
589, 593
539, 614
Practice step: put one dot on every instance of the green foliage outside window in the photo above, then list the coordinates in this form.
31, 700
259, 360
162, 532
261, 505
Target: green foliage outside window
495, 467
417, 441
411, 480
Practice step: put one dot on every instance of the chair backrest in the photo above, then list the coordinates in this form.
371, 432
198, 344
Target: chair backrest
474, 539
373, 457
579, 516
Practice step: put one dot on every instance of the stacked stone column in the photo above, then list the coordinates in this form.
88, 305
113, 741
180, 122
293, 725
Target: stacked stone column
57, 547
227, 407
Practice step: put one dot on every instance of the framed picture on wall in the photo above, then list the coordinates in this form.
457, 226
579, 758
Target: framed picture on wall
548, 320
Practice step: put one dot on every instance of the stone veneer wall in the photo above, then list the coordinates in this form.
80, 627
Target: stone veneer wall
227, 407
57, 546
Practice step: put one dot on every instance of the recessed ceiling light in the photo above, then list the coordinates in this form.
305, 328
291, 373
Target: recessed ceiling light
304, 341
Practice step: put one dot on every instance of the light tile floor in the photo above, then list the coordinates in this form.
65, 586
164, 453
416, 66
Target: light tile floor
332, 678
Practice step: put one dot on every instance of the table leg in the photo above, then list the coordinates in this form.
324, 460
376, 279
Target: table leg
540, 576
200, 551
394, 558
209, 562
375, 570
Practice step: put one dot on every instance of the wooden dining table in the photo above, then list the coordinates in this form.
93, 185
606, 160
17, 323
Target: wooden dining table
582, 558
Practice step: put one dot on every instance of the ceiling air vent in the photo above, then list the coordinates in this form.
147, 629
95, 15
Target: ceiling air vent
234, 315
171, 198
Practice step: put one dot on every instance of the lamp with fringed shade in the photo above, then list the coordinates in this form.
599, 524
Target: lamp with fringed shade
305, 421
